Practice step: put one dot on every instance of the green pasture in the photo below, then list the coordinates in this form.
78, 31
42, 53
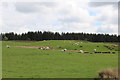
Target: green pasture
36, 63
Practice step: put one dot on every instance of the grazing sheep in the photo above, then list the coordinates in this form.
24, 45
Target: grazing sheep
44, 48
64, 50
109, 74
47, 48
76, 44
7, 46
81, 51
94, 50
41, 48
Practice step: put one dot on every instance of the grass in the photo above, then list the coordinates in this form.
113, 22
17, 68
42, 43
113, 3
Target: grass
36, 63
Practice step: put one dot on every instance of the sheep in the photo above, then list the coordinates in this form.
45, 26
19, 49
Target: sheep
47, 48
81, 51
94, 50
44, 48
7, 46
109, 74
76, 43
41, 48
64, 50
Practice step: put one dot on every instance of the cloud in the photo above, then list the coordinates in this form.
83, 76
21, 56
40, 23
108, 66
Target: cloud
108, 28
78, 27
104, 0
26, 7
108, 15
98, 4
61, 16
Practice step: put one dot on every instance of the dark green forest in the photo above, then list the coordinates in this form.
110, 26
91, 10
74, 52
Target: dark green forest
47, 35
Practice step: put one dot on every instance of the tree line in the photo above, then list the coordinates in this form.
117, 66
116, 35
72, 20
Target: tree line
47, 35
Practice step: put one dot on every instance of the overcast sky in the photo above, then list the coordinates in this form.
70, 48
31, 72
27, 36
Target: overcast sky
60, 16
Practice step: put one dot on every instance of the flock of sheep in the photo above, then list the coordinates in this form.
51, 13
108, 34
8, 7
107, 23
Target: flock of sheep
48, 48
44, 48
80, 51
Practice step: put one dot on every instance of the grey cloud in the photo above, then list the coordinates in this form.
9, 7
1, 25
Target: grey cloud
99, 4
104, 0
28, 7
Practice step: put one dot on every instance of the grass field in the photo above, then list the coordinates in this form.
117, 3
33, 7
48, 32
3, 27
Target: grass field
36, 63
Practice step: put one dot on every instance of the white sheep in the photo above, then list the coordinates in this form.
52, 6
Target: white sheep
94, 50
64, 50
76, 43
81, 51
47, 48
41, 48
7, 46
